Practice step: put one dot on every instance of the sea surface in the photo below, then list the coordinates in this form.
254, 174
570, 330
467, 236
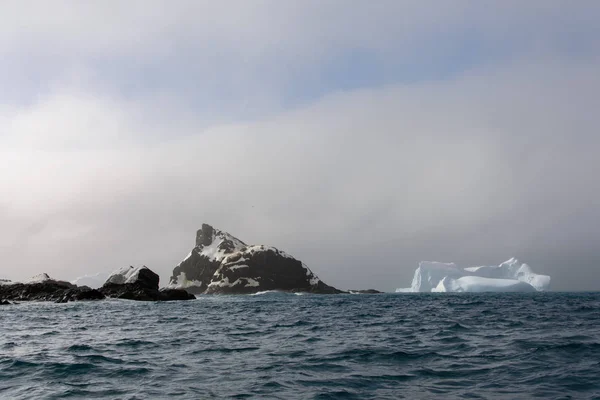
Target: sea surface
285, 346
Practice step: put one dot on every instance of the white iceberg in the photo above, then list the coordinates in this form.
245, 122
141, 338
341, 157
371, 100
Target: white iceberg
510, 276
477, 284
94, 281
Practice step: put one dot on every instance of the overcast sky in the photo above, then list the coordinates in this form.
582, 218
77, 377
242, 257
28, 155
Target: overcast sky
359, 136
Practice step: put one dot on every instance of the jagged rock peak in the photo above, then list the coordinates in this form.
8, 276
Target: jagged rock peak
210, 238
204, 236
221, 263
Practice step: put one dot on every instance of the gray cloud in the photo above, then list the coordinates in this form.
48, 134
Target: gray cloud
244, 59
495, 162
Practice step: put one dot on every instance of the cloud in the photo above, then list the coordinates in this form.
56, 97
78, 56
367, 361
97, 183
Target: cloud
246, 60
360, 185
128, 138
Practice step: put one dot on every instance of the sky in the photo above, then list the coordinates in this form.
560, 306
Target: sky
360, 137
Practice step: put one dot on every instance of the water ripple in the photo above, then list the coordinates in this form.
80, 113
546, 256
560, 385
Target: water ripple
274, 345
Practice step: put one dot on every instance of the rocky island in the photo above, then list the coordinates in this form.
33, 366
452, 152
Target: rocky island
222, 264
219, 263
43, 288
127, 283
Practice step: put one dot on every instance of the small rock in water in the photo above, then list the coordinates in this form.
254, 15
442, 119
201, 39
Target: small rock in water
365, 291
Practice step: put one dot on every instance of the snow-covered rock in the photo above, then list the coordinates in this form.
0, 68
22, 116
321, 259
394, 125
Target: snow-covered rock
221, 263
39, 278
140, 283
132, 275
447, 277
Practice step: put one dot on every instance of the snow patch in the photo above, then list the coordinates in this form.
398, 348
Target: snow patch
213, 251
247, 282
261, 247
220, 283
251, 282
236, 267
183, 283
313, 279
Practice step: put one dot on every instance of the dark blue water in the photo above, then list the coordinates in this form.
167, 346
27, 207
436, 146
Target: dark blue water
504, 346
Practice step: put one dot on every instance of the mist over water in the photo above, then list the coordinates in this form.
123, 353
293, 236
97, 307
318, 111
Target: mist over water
288, 346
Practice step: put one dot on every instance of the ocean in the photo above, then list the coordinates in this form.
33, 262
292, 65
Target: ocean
286, 346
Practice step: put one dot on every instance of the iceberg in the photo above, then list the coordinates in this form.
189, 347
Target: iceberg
477, 284
94, 281
510, 276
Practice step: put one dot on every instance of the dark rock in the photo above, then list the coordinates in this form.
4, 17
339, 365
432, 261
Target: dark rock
48, 290
148, 278
199, 267
5, 303
223, 264
204, 236
175, 294
260, 269
142, 276
130, 291
365, 291
140, 284
80, 294
196, 268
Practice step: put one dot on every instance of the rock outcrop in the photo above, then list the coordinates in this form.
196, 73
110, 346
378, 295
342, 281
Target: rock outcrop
222, 264
364, 291
140, 284
44, 288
